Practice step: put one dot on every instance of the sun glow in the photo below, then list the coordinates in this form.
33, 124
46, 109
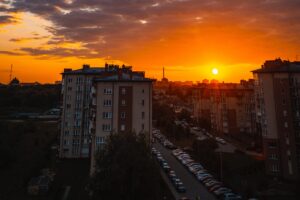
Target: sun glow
215, 71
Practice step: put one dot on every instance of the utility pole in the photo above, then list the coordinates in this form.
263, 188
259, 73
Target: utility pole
10, 74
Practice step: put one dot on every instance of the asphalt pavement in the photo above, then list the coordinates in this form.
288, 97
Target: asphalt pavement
194, 188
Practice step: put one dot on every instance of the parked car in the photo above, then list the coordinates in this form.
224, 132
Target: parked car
184, 198
215, 187
180, 187
212, 183
231, 196
221, 191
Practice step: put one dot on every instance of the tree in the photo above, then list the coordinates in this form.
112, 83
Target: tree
125, 170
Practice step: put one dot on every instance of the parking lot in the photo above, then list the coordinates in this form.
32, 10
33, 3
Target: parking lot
187, 178
194, 188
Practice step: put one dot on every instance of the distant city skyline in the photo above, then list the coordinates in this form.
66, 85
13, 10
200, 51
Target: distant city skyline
189, 37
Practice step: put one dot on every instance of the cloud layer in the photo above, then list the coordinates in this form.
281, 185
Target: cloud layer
116, 27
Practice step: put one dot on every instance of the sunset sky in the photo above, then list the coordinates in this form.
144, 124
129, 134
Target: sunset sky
188, 37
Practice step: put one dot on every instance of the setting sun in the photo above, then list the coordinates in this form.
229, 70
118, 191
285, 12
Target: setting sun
215, 71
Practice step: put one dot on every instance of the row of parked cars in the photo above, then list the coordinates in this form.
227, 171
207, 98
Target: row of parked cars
163, 140
202, 175
203, 131
171, 174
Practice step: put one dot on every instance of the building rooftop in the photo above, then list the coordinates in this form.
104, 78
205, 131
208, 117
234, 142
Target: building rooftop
279, 66
111, 73
86, 69
125, 77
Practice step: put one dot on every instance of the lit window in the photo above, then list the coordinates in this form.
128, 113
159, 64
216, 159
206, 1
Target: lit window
284, 113
286, 125
123, 91
123, 127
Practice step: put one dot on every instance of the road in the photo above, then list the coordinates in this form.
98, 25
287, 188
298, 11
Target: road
225, 148
193, 186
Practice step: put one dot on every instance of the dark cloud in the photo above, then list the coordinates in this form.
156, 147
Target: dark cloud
28, 38
114, 26
60, 52
11, 53
7, 19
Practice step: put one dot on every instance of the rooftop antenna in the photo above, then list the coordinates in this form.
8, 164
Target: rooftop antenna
11, 71
163, 72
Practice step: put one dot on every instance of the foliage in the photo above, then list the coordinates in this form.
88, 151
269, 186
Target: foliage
185, 115
24, 147
125, 170
165, 117
29, 98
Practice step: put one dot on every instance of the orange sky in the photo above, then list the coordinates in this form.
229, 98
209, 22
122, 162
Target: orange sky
189, 38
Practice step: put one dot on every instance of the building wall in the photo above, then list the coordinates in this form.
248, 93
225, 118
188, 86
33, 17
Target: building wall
277, 120
137, 109
229, 107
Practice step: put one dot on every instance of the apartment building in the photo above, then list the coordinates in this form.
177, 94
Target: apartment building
75, 137
228, 107
121, 103
277, 96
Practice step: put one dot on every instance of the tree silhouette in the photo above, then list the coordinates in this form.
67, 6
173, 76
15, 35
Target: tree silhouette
125, 170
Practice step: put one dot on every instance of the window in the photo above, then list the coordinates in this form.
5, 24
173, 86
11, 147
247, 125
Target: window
283, 101
284, 113
76, 142
107, 115
143, 91
76, 132
107, 102
70, 80
123, 102
107, 91
122, 127
67, 133
272, 145
66, 142
123, 115
69, 88
275, 168
123, 91
143, 126
106, 127
143, 102
100, 140
68, 106
286, 125
77, 123
143, 115
273, 157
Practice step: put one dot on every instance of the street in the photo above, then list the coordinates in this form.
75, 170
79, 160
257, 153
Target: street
193, 186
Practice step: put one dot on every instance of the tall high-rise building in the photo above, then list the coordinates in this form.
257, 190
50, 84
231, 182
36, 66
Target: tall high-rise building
121, 103
277, 96
75, 138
